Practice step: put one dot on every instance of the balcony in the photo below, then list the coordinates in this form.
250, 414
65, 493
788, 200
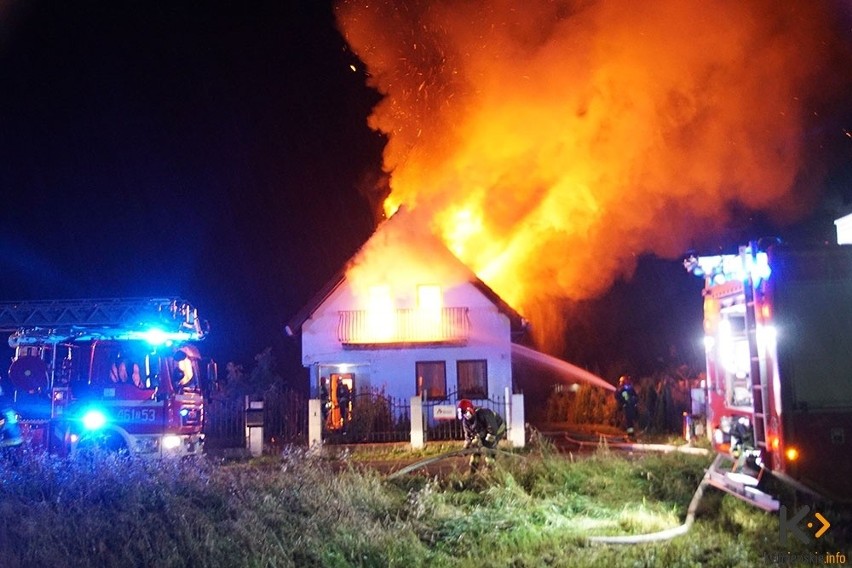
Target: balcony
363, 328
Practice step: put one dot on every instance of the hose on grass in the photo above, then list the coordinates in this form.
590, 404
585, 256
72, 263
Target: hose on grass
607, 441
445, 455
625, 445
667, 534
671, 533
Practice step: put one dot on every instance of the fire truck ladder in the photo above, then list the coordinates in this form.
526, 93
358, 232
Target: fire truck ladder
756, 370
50, 320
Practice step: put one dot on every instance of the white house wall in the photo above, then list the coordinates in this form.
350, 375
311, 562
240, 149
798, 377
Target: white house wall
394, 369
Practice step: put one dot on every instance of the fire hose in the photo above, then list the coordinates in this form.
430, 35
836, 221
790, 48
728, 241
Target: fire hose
445, 455
667, 534
665, 448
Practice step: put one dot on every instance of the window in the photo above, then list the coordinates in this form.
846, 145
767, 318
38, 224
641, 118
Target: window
381, 320
431, 379
473, 379
429, 297
428, 316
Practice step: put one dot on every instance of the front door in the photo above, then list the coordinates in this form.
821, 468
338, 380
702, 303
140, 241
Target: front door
342, 389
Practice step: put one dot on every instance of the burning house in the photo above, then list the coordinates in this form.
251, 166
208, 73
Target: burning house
407, 317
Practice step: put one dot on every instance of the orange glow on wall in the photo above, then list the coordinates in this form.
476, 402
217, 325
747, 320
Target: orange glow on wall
387, 317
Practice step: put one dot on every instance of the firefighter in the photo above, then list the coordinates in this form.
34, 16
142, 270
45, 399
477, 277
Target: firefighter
482, 428
183, 375
118, 371
325, 401
627, 400
10, 429
344, 397
136, 375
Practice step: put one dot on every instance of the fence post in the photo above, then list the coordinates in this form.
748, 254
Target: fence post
517, 432
254, 426
314, 423
418, 439
507, 408
507, 414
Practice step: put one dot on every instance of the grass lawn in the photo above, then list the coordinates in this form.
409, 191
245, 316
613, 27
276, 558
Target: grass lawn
300, 510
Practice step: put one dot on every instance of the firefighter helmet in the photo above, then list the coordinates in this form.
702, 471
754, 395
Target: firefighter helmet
625, 380
464, 407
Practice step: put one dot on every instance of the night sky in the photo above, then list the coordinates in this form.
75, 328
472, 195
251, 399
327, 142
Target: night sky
221, 153
187, 148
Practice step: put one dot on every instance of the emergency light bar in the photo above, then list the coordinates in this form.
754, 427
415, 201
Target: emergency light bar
157, 336
730, 267
156, 320
154, 336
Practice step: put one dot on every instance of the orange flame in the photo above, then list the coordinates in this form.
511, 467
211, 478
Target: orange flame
552, 142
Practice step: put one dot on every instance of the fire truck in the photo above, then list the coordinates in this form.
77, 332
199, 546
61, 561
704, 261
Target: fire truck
124, 375
778, 345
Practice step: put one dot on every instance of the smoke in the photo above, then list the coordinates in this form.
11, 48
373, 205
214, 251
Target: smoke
551, 143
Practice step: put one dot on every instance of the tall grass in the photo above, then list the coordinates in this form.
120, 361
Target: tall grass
300, 510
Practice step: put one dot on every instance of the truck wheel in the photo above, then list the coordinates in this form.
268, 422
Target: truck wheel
106, 443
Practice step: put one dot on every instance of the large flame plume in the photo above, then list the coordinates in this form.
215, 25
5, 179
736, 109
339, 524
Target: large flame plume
552, 142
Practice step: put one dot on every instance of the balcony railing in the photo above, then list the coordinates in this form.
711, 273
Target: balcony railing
403, 327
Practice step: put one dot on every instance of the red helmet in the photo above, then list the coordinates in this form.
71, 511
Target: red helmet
464, 407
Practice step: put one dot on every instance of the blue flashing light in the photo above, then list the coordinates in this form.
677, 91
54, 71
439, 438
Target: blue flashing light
761, 270
729, 267
156, 336
94, 419
184, 411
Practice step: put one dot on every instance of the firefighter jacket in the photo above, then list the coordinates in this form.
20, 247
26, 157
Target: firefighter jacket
10, 429
485, 428
626, 396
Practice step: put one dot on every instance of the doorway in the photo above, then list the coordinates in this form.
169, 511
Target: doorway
341, 388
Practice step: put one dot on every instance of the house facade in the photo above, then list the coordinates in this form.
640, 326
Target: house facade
407, 318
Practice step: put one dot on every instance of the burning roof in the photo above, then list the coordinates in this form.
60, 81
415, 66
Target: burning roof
562, 139
402, 254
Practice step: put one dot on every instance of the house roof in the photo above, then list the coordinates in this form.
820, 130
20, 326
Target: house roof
294, 325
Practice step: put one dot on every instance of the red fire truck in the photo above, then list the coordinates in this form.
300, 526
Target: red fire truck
121, 374
778, 344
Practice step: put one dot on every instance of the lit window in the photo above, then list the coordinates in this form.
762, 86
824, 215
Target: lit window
429, 303
473, 379
381, 325
429, 297
431, 379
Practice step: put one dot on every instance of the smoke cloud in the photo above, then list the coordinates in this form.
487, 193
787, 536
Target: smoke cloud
552, 142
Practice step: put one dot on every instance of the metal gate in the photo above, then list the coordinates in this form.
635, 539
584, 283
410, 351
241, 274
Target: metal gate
285, 420
451, 429
371, 417
224, 424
